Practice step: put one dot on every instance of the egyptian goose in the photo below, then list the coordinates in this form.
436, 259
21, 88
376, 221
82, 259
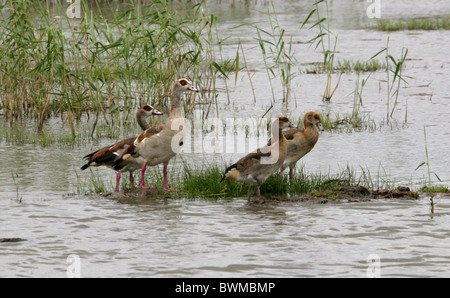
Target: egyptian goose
154, 145
256, 167
107, 155
301, 141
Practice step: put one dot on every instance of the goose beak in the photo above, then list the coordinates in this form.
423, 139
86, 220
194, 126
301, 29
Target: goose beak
192, 88
156, 112
319, 125
292, 125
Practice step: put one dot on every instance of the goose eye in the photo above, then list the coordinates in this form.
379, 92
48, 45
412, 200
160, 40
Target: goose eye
183, 82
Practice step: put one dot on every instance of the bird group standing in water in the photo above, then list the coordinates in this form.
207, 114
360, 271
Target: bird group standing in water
155, 145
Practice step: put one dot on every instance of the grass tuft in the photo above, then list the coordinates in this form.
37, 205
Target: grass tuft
435, 189
348, 66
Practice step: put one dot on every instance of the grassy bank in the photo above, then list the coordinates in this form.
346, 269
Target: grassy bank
204, 182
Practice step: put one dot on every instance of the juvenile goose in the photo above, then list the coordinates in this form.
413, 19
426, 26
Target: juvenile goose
107, 155
256, 167
154, 145
301, 141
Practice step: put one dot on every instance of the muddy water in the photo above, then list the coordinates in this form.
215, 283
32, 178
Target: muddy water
180, 237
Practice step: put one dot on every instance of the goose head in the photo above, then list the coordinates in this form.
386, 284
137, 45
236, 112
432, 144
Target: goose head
148, 110
313, 118
279, 124
182, 85
179, 87
143, 113
284, 122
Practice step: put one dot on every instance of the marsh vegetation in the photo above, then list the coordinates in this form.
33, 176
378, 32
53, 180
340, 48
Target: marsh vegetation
88, 75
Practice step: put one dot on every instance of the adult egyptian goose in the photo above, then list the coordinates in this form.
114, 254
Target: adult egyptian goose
154, 145
301, 141
256, 167
107, 155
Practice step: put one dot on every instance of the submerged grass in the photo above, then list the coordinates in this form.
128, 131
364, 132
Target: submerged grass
436, 23
23, 132
348, 66
435, 189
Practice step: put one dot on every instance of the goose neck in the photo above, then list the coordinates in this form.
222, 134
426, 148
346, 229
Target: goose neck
142, 121
277, 132
176, 99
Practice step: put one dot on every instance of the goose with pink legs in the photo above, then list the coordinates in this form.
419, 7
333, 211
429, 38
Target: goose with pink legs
106, 156
156, 144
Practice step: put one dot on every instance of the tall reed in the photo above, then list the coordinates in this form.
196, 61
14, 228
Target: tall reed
323, 39
394, 67
278, 54
427, 161
105, 63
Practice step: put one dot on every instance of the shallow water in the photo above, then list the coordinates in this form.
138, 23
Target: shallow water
223, 238
209, 238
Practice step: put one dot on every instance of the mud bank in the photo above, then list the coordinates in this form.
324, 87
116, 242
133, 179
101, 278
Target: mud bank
340, 194
138, 195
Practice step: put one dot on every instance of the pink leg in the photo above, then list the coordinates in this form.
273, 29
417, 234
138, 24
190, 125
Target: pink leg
144, 167
131, 179
119, 174
280, 176
166, 186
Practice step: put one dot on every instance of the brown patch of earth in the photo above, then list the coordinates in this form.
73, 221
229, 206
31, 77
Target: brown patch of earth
339, 194
137, 195
342, 194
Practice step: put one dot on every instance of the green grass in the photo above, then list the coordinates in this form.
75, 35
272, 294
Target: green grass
97, 183
348, 122
435, 189
345, 66
204, 182
436, 23
360, 66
